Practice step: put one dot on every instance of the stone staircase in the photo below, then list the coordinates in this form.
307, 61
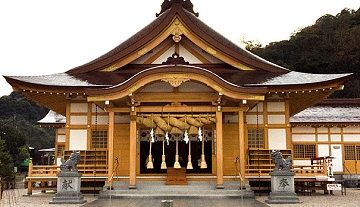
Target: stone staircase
157, 189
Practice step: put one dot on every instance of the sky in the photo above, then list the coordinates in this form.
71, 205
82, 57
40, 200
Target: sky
40, 37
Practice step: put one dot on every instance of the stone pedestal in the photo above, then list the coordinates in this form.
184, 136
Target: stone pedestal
68, 189
282, 188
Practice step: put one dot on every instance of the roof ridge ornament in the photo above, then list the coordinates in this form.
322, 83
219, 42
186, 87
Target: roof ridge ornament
186, 4
175, 59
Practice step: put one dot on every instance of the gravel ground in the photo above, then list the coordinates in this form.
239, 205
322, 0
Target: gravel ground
15, 198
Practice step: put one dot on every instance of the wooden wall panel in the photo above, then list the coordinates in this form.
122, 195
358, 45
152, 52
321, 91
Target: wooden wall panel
230, 147
122, 148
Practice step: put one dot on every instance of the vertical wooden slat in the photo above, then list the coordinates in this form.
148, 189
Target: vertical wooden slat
132, 176
242, 143
219, 151
111, 146
67, 126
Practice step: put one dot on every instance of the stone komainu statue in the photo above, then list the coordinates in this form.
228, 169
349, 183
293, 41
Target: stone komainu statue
281, 164
71, 163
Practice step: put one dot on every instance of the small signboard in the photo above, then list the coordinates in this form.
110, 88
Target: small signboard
333, 186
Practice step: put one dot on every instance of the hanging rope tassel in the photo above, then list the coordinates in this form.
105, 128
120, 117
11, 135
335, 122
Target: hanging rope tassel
177, 164
203, 164
189, 164
150, 164
163, 162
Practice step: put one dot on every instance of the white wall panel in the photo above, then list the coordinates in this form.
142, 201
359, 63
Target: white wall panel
78, 120
303, 129
277, 138
335, 130
336, 152
78, 139
323, 137
351, 129
258, 108
188, 57
276, 106
322, 130
231, 118
78, 107
165, 55
100, 120
351, 137
303, 137
251, 119
335, 137
276, 119
61, 131
301, 162
323, 150
61, 138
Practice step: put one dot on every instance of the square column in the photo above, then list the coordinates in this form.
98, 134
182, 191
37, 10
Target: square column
219, 151
111, 148
132, 176
242, 145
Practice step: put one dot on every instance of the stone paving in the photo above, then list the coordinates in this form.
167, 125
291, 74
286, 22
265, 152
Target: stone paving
15, 198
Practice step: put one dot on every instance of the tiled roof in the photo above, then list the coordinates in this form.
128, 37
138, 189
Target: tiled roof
294, 78
59, 79
53, 118
326, 114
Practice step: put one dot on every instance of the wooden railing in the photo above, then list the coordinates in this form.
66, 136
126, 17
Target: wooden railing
52, 170
299, 170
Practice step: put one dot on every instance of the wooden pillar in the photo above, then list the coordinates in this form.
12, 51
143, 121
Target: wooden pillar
132, 176
111, 147
219, 151
242, 144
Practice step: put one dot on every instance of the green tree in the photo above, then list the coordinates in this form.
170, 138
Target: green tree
6, 164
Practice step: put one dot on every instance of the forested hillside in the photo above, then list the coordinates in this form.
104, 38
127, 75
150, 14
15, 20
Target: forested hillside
331, 45
19, 131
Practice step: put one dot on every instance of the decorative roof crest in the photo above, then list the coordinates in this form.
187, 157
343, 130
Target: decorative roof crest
175, 59
186, 4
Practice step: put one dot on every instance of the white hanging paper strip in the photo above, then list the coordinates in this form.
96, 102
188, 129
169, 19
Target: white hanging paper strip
186, 137
200, 134
152, 136
167, 138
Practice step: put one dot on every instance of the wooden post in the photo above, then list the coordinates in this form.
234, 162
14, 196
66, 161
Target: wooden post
29, 191
132, 176
219, 151
111, 148
242, 145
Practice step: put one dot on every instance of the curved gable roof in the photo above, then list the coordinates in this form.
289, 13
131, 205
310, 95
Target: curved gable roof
195, 26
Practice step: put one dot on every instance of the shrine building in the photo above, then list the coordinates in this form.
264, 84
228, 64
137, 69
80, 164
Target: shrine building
179, 95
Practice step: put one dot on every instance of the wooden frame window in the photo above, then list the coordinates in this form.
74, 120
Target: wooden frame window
60, 150
99, 139
304, 151
256, 138
352, 152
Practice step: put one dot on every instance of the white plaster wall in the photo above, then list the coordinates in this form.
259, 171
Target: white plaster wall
93, 108
323, 137
165, 55
335, 130
104, 120
122, 119
78, 120
323, 150
188, 57
231, 118
78, 139
335, 137
259, 108
277, 138
276, 106
78, 107
276, 119
303, 137
336, 151
322, 130
351, 137
61, 131
251, 119
61, 138
351, 129
303, 129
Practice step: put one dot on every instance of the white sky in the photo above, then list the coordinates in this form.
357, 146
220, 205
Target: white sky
41, 37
